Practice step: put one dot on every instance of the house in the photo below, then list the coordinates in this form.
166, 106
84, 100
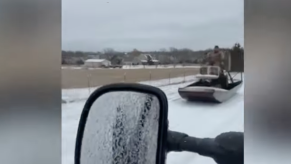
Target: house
147, 59
96, 63
131, 60
140, 59
116, 60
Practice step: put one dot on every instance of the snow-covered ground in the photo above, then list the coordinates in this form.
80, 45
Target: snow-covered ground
195, 119
137, 67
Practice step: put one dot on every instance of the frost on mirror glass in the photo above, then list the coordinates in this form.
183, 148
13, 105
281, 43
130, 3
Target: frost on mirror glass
122, 127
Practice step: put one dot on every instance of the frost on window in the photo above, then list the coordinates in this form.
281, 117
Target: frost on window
122, 128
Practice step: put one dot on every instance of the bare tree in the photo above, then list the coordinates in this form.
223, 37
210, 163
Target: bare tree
163, 50
170, 55
108, 50
136, 52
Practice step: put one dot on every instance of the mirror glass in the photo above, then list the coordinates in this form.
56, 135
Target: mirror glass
122, 128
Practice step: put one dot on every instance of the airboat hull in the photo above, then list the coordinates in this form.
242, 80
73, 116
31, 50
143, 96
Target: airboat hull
196, 92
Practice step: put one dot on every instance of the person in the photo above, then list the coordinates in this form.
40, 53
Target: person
215, 58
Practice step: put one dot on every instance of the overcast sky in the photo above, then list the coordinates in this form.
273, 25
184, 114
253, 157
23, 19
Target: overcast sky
92, 25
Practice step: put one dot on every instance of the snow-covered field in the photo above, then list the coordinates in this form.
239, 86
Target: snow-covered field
195, 119
137, 67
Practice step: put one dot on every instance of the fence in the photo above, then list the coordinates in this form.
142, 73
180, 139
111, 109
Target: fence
86, 82
151, 77
135, 66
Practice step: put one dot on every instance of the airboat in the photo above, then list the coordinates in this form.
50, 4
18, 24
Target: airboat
210, 87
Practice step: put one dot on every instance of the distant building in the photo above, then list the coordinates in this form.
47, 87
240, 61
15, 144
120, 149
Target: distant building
142, 59
96, 63
116, 60
132, 60
147, 59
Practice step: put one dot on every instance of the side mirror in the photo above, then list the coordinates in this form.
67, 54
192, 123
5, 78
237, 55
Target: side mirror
123, 124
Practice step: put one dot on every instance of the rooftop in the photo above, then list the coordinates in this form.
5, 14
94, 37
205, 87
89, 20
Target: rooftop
95, 60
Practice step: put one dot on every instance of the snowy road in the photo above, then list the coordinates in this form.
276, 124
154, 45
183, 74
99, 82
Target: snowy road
195, 119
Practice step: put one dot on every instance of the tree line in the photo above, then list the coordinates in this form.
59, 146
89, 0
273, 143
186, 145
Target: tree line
165, 56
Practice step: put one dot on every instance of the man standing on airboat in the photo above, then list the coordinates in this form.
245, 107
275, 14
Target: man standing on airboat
216, 58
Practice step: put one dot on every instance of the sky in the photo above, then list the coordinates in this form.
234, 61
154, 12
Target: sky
124, 25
